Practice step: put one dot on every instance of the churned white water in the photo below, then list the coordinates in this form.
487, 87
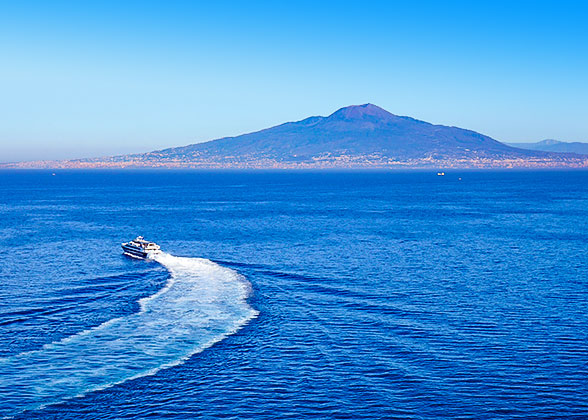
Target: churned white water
201, 304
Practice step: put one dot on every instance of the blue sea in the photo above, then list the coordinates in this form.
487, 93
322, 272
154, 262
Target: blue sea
291, 295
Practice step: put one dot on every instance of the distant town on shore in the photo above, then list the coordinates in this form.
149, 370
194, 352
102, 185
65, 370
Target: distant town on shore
354, 137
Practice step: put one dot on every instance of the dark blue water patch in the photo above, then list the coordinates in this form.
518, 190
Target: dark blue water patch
75, 297
57, 288
49, 318
381, 295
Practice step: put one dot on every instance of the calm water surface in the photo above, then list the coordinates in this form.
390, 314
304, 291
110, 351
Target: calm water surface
294, 295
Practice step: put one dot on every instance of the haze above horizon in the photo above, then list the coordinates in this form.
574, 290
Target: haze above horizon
84, 80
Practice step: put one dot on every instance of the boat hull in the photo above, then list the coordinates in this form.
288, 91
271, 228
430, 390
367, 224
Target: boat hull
134, 252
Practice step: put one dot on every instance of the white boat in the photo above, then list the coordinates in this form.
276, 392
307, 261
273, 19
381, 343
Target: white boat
140, 248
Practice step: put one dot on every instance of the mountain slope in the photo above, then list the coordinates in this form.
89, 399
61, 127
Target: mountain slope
555, 146
359, 136
352, 131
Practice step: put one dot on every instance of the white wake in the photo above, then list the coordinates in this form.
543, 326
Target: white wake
201, 304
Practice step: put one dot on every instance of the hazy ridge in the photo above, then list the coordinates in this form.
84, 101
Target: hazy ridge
359, 136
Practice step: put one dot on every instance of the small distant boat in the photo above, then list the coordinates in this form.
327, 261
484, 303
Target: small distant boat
140, 248
440, 173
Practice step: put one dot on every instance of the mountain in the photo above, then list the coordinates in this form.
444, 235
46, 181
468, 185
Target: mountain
359, 130
555, 146
359, 136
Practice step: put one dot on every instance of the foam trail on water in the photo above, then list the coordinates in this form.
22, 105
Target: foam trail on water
201, 304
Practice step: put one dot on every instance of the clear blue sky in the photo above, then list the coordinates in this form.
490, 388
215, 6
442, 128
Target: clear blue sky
97, 78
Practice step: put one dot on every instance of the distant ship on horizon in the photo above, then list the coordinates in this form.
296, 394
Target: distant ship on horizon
354, 137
